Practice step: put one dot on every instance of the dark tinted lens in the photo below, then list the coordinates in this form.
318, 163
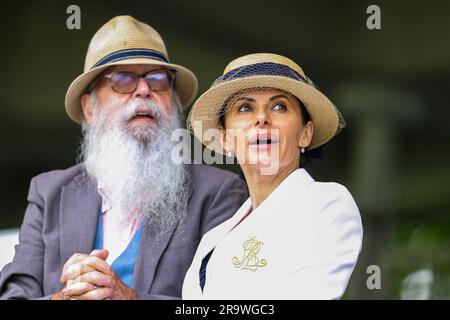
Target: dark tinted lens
159, 81
123, 82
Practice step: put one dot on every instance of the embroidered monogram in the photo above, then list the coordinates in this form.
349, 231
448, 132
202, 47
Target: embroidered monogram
250, 261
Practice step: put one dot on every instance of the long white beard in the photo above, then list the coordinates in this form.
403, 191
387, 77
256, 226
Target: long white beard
134, 167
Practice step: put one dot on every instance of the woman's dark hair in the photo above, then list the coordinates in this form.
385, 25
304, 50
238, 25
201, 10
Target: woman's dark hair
305, 158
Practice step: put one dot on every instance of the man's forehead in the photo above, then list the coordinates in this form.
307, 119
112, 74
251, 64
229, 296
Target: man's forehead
135, 68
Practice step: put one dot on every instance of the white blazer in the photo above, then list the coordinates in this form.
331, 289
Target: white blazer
302, 242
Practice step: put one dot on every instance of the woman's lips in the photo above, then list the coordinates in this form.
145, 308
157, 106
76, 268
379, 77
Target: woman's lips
263, 140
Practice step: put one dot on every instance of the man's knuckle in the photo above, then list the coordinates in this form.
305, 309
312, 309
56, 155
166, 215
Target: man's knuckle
86, 286
110, 270
76, 270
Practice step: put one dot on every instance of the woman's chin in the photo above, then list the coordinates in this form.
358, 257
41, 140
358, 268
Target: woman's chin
265, 164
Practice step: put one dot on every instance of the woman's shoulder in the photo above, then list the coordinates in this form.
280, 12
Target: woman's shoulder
324, 190
303, 190
333, 201
337, 212
330, 190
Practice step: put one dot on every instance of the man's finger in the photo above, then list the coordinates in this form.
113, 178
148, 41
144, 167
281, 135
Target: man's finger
74, 259
97, 279
100, 253
78, 289
97, 294
86, 265
74, 271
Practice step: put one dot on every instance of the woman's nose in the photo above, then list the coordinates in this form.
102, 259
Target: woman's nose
262, 118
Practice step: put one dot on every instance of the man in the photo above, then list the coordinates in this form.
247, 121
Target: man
125, 223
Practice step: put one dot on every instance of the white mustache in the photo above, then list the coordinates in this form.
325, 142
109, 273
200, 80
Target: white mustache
127, 113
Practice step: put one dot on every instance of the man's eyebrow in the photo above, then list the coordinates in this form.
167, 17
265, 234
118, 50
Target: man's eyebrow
278, 96
156, 70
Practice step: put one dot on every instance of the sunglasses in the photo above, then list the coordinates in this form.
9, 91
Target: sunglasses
127, 82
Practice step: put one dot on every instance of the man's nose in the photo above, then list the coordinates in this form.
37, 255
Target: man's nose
142, 90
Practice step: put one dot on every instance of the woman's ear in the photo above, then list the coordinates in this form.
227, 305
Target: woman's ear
225, 141
306, 134
87, 108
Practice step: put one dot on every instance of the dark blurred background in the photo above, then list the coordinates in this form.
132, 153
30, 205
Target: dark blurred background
391, 85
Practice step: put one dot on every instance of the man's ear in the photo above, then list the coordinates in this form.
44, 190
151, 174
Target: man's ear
306, 135
86, 107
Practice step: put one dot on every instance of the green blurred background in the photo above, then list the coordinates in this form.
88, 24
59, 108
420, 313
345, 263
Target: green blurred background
391, 85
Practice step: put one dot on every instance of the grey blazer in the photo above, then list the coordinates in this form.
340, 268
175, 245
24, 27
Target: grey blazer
61, 220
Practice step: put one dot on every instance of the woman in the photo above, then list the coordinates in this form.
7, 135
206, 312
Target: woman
294, 238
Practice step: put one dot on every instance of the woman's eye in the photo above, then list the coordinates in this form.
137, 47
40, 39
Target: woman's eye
279, 107
244, 108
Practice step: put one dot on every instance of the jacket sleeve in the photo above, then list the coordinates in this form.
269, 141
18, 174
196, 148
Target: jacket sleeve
146, 296
231, 194
23, 277
331, 258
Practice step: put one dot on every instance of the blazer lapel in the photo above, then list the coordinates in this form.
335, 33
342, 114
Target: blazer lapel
79, 207
151, 249
224, 229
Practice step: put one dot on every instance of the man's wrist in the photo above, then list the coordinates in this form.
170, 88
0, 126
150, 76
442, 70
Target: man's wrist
132, 295
58, 296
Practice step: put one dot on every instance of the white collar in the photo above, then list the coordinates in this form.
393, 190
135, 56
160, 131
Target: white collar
282, 194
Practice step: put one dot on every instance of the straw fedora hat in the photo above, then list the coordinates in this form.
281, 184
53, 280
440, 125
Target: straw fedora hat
125, 40
264, 70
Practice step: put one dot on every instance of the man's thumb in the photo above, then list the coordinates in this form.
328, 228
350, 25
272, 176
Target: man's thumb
100, 253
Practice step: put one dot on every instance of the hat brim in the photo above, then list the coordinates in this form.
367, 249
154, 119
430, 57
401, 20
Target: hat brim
186, 85
323, 113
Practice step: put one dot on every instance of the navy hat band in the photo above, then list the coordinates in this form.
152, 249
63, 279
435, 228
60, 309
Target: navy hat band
131, 54
262, 69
